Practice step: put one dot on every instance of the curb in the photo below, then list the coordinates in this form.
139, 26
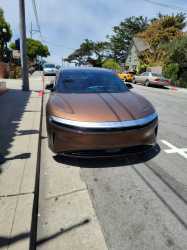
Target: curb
3, 88
33, 236
3, 91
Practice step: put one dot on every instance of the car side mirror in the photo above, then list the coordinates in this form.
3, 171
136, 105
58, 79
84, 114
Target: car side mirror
129, 86
50, 86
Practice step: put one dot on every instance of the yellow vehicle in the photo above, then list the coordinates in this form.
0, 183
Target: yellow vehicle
126, 76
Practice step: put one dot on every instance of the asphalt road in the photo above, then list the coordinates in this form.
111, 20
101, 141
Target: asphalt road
139, 200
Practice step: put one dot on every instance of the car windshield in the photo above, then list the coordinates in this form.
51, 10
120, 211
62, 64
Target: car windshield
49, 66
89, 82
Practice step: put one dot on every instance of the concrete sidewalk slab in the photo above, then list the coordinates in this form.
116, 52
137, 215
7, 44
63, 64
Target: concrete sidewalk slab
21, 223
70, 223
22, 146
19, 135
35, 82
67, 218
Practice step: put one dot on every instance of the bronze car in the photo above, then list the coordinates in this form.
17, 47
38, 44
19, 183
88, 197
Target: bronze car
92, 109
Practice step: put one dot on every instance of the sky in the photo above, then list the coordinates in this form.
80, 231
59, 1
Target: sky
66, 23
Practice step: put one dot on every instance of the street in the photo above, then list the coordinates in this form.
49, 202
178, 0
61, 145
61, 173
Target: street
138, 201
93, 126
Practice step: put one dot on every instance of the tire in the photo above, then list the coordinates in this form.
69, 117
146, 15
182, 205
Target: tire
134, 81
147, 83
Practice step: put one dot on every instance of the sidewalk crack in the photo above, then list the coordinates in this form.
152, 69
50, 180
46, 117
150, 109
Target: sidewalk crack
65, 194
14, 195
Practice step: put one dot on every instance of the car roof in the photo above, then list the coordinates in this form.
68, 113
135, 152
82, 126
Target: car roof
83, 69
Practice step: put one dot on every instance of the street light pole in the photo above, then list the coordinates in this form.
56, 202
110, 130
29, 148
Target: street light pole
23, 48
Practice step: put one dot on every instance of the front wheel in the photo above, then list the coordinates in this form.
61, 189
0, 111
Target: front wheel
147, 83
134, 81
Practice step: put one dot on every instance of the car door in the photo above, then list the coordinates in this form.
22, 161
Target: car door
143, 77
138, 78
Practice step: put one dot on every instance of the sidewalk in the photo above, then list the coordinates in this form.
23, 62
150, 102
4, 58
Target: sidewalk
19, 134
3, 88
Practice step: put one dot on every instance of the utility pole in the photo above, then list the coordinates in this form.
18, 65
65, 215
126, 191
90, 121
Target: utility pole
23, 48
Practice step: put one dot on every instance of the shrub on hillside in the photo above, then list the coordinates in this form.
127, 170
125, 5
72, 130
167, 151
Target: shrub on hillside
111, 64
171, 71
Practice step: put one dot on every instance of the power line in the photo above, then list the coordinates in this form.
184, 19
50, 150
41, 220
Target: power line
37, 19
39, 28
171, 6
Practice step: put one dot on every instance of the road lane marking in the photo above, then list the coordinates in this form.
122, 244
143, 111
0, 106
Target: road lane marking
174, 150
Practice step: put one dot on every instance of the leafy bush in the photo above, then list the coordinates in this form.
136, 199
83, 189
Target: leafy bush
5, 35
171, 71
183, 79
34, 48
15, 71
141, 67
111, 64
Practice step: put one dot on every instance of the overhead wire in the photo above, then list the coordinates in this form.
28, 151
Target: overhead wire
171, 6
36, 18
39, 28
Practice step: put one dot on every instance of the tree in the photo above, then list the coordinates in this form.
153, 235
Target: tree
171, 71
89, 52
160, 31
111, 64
176, 51
34, 48
122, 36
5, 36
175, 61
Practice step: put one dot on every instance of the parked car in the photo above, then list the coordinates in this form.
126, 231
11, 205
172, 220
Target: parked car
149, 78
49, 69
127, 76
92, 109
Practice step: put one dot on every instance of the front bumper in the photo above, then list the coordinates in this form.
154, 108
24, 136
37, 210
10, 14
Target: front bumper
160, 83
66, 138
49, 73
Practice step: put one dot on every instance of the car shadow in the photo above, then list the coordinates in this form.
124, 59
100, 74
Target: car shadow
159, 87
154, 86
132, 156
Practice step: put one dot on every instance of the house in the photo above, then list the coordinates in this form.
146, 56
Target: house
138, 46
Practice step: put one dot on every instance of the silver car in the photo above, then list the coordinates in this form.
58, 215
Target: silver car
149, 78
49, 69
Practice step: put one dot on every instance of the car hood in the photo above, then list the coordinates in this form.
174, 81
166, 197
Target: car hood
102, 107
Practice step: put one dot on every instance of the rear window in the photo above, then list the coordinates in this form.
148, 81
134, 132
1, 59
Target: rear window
49, 66
89, 81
